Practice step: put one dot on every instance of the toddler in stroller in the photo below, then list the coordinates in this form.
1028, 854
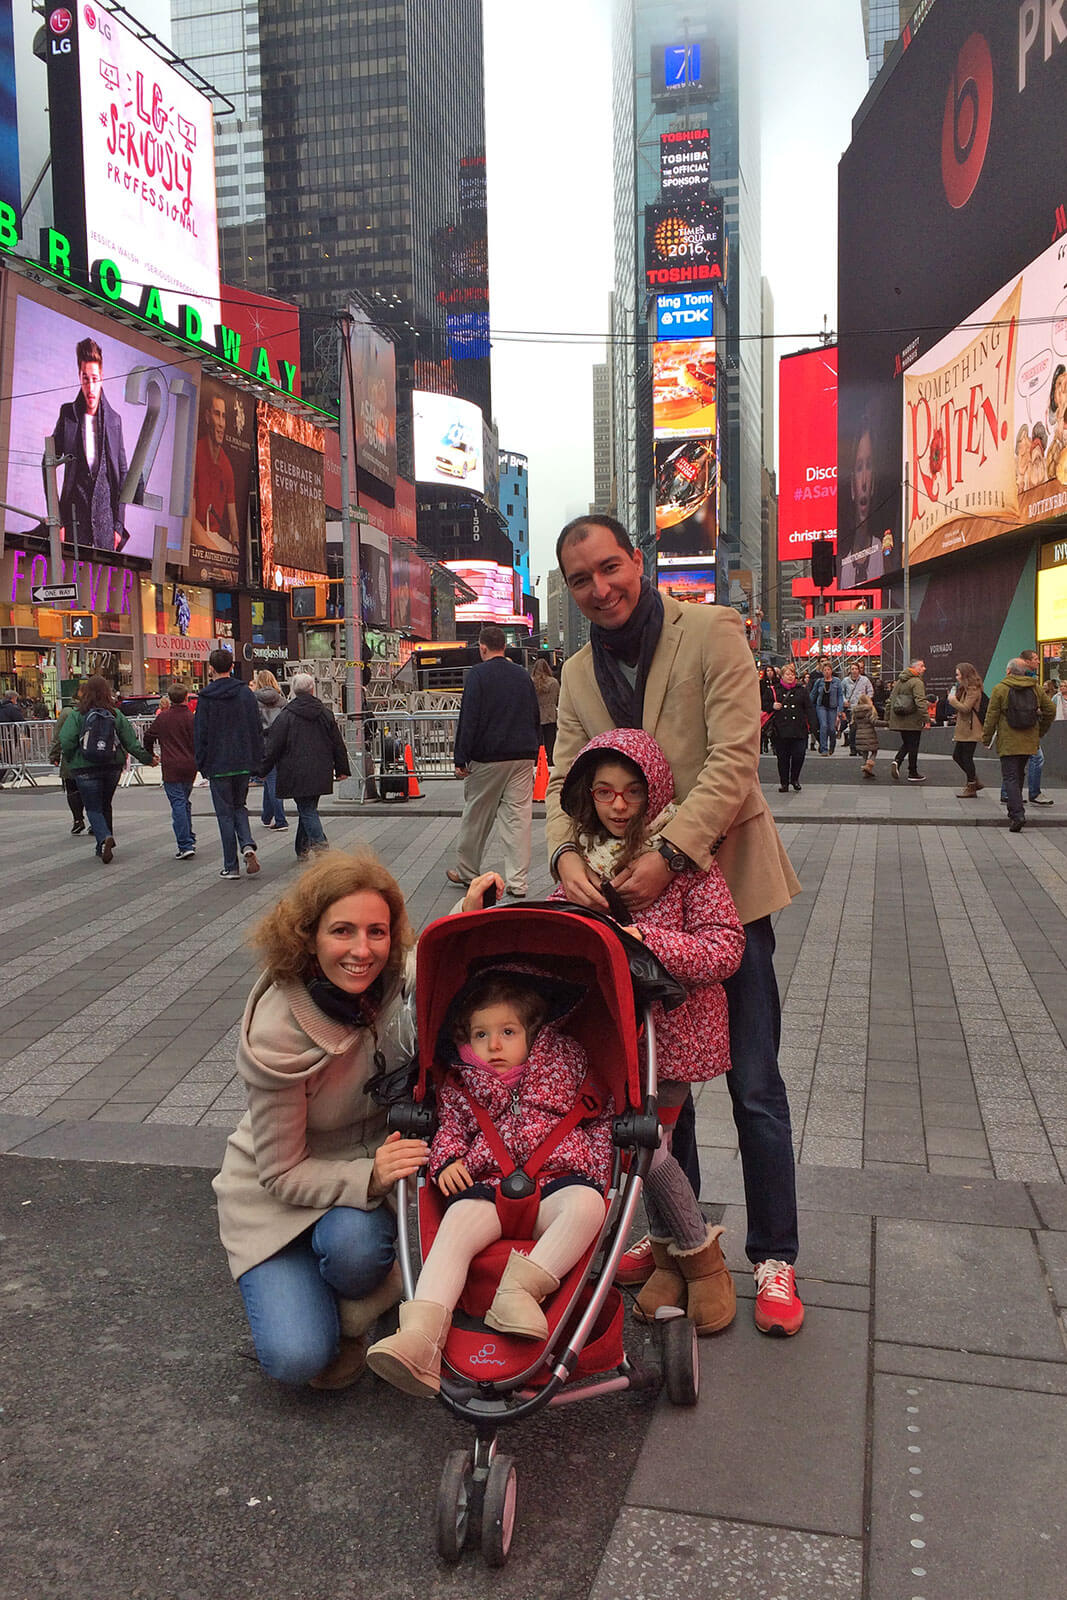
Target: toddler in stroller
517, 1095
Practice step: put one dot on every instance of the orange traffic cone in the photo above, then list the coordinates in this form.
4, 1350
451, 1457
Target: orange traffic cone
541, 775
414, 792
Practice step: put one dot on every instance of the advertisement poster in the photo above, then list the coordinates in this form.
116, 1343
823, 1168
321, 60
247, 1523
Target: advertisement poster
9, 128
374, 578
147, 155
495, 587
691, 582
123, 409
686, 498
689, 314
448, 441
292, 508
684, 243
683, 388
374, 402
959, 613
222, 480
807, 451
685, 161
419, 587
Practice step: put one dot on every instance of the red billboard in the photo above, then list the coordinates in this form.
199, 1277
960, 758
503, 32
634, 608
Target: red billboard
807, 451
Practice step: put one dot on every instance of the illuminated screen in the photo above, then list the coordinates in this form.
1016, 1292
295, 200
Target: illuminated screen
292, 506
685, 161
495, 587
143, 434
448, 441
807, 451
147, 152
684, 243
1052, 603
683, 388
686, 498
374, 407
685, 581
689, 314
222, 481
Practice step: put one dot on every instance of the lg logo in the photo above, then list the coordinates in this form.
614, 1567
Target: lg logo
968, 119
60, 21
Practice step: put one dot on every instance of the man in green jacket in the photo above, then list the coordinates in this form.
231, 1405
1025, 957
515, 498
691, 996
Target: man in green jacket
1020, 713
907, 713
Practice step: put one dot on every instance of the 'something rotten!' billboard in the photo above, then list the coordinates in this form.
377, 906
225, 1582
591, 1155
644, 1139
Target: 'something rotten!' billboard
807, 451
944, 195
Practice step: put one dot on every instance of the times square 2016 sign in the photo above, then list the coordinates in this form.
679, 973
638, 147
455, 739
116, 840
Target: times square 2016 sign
684, 243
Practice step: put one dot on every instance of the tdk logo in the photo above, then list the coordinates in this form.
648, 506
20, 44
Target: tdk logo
678, 319
817, 474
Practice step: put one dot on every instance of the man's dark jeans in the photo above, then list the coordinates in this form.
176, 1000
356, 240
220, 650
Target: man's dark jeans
97, 789
229, 796
909, 747
1013, 776
760, 1104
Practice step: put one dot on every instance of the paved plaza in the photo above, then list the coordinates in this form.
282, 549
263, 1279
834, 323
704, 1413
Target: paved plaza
909, 1443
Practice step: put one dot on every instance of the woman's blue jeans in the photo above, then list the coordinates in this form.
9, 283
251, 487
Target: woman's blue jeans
827, 727
291, 1298
273, 808
97, 789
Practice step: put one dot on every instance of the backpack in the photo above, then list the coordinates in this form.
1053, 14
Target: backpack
982, 710
903, 701
99, 737
1020, 712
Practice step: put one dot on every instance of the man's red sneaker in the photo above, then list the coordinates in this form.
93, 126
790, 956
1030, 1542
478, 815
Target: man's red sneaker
637, 1265
778, 1307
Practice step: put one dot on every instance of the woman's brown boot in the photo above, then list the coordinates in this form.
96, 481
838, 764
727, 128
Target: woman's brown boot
712, 1299
968, 791
666, 1287
411, 1359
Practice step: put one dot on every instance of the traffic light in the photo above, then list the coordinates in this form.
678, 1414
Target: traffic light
308, 602
79, 625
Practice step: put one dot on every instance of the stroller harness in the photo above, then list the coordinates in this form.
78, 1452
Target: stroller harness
519, 1194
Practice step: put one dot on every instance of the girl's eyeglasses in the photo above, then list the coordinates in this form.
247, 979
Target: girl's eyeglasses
605, 795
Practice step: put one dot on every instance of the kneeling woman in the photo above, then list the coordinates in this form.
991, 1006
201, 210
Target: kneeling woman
305, 1194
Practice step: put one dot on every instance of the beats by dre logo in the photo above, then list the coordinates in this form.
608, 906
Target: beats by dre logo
968, 118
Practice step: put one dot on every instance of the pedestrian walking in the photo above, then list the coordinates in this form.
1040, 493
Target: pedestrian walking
268, 692
792, 719
547, 690
304, 753
684, 674
828, 700
1036, 765
497, 738
1020, 713
1061, 702
10, 710
969, 701
907, 713
66, 777
228, 742
172, 730
95, 742
864, 727
856, 683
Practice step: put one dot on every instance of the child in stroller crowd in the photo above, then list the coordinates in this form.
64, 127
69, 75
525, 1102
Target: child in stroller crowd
619, 794
525, 1076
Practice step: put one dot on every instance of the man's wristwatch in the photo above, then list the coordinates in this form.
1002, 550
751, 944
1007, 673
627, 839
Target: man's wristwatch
676, 859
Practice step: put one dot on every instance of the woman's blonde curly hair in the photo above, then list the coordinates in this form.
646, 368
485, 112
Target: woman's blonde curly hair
285, 937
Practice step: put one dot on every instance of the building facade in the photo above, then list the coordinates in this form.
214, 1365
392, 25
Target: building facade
883, 23
603, 443
514, 502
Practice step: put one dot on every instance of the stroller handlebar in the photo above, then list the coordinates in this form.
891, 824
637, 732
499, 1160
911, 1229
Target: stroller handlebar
650, 978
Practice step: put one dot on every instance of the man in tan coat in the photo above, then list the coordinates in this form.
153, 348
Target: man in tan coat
684, 673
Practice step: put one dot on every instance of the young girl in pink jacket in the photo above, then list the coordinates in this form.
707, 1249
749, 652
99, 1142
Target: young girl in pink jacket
619, 795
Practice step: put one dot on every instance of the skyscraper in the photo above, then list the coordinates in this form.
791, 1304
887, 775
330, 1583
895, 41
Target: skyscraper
680, 66
883, 23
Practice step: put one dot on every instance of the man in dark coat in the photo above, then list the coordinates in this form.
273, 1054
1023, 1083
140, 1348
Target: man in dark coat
304, 743
10, 710
228, 746
89, 432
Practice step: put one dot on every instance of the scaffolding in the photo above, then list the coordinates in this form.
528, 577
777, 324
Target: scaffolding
849, 635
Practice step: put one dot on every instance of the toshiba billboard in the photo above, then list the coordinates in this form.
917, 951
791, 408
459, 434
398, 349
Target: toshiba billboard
807, 451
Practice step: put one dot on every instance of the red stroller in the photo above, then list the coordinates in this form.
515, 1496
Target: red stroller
489, 1378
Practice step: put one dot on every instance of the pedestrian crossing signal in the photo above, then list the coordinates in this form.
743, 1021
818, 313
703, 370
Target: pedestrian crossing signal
79, 624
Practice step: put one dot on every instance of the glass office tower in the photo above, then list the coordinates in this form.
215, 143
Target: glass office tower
724, 99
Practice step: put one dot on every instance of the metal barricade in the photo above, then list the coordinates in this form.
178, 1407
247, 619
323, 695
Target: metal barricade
24, 750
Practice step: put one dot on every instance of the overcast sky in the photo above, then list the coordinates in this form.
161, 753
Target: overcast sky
548, 145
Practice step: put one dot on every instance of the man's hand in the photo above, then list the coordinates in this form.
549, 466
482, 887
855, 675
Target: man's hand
475, 895
463, 772
454, 1178
643, 881
154, 762
578, 882
396, 1158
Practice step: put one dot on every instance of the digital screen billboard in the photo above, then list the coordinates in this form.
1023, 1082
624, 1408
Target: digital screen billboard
222, 481
686, 497
689, 314
495, 587
468, 335
807, 451
374, 578
292, 506
133, 160
259, 321
448, 441
683, 388
942, 163
685, 162
121, 407
9, 128
460, 257
684, 243
684, 70
692, 582
411, 591
374, 404
1052, 603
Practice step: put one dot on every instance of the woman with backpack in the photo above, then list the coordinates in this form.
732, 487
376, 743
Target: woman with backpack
94, 743
970, 702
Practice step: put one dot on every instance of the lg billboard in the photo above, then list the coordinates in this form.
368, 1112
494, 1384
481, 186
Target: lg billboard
448, 441
944, 197
807, 451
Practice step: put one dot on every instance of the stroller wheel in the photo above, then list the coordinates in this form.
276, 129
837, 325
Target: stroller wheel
498, 1511
454, 1504
681, 1367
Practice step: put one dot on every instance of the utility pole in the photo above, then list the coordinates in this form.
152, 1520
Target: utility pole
904, 551
350, 788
